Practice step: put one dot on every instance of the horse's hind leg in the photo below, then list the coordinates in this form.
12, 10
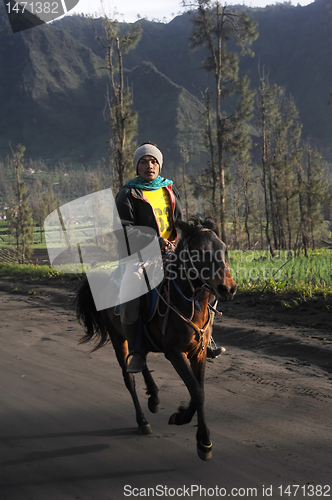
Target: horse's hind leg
121, 352
151, 390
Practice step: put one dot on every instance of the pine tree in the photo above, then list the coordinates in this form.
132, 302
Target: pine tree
315, 190
239, 147
210, 172
120, 115
43, 203
215, 27
185, 161
264, 110
20, 222
280, 136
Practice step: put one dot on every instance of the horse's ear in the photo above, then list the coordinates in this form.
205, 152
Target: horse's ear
209, 223
184, 227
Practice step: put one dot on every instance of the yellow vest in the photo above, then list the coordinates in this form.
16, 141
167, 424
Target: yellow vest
162, 207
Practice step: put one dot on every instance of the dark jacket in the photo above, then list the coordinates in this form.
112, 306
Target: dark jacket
135, 210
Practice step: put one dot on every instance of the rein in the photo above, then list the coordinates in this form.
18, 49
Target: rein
193, 300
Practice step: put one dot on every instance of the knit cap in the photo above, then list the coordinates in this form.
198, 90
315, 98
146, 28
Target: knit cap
148, 150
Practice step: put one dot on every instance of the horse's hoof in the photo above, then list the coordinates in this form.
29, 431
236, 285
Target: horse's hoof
181, 417
173, 419
145, 429
204, 452
153, 407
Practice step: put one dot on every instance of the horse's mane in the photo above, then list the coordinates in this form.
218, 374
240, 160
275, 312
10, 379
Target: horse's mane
207, 223
195, 224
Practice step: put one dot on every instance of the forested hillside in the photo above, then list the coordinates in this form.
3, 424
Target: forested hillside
294, 45
252, 148
53, 91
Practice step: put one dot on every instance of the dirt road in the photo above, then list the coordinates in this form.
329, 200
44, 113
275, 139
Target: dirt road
67, 422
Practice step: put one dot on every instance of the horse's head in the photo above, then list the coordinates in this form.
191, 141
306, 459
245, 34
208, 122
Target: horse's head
204, 255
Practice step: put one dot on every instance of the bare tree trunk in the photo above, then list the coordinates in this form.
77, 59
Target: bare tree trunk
185, 159
211, 148
302, 211
265, 149
246, 213
309, 200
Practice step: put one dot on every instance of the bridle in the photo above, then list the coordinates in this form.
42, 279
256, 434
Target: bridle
195, 296
164, 289
186, 248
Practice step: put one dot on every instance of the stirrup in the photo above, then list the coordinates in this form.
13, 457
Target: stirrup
212, 351
137, 362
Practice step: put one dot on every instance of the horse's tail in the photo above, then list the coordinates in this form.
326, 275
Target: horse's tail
88, 315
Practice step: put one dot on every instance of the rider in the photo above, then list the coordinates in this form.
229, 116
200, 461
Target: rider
152, 201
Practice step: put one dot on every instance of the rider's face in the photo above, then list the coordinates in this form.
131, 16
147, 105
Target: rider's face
148, 168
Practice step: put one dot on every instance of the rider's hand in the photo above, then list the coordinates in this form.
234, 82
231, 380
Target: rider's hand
167, 245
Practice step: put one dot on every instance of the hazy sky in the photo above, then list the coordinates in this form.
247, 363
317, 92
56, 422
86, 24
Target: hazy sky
153, 9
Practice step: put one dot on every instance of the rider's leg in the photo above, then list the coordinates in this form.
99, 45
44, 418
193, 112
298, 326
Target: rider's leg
212, 351
129, 322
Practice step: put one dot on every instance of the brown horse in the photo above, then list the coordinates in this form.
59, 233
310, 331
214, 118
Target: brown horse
195, 272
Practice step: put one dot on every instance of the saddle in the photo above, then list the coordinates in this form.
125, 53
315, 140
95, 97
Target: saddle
148, 306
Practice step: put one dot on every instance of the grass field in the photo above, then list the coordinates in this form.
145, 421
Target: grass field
253, 271
307, 277
287, 273
7, 241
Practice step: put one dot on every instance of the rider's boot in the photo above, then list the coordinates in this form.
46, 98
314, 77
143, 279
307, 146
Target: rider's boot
137, 361
212, 351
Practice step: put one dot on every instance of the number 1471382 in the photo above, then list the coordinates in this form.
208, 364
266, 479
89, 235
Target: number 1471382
34, 7
308, 490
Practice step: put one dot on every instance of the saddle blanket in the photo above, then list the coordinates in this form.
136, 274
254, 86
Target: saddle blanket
148, 305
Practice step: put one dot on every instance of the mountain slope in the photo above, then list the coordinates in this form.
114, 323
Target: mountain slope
168, 114
294, 45
53, 96
52, 91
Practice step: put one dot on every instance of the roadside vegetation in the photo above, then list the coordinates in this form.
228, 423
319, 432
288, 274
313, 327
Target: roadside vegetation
268, 188
254, 273
284, 274
29, 272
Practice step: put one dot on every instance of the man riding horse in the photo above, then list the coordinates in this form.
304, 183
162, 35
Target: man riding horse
152, 201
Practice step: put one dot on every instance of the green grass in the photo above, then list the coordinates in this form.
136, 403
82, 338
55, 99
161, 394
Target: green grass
252, 271
7, 241
287, 273
30, 272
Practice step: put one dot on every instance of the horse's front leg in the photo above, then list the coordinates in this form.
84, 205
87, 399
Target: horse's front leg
151, 390
204, 448
195, 387
185, 414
